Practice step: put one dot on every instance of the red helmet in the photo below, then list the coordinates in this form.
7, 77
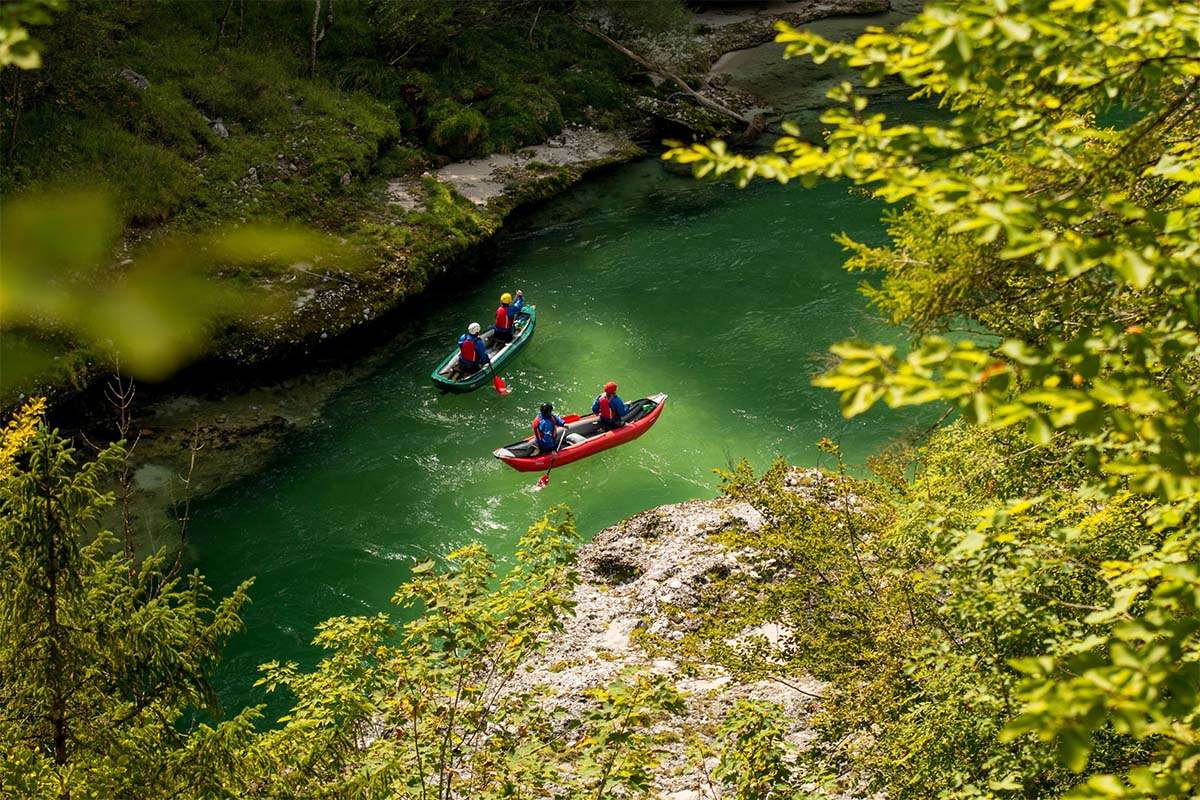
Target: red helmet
610, 388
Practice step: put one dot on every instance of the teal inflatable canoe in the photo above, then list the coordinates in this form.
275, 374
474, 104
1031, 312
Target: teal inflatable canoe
449, 378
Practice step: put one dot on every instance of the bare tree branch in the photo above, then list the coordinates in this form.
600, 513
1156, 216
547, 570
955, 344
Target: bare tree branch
703, 100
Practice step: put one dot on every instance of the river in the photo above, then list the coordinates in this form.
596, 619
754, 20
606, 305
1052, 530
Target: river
725, 299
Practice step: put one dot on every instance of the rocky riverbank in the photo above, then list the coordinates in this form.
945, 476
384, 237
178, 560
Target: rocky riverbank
643, 579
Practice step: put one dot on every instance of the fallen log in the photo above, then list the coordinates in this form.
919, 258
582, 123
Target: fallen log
700, 98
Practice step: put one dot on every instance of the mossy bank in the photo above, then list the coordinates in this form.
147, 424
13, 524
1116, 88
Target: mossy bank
186, 121
406, 152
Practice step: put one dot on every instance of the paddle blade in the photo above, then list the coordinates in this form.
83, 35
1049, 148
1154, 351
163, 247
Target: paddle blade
498, 382
542, 481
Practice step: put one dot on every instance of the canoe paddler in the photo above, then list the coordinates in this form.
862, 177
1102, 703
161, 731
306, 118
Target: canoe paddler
518, 303
610, 408
472, 351
505, 318
548, 430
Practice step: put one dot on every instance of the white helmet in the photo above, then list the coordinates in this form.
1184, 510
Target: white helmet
473, 328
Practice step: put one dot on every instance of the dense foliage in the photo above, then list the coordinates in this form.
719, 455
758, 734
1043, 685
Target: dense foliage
105, 664
1032, 618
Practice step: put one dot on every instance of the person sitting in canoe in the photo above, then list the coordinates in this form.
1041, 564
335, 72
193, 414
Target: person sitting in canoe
518, 304
472, 352
610, 408
547, 433
505, 319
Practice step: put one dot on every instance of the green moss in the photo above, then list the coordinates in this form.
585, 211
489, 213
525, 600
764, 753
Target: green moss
581, 91
402, 159
162, 115
458, 131
243, 87
522, 115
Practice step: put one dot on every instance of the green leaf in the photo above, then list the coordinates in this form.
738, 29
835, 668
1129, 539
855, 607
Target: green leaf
1106, 785
962, 41
1131, 266
1014, 30
1074, 747
1038, 430
862, 399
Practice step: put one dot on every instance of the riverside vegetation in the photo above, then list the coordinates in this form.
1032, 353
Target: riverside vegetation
1006, 607
148, 128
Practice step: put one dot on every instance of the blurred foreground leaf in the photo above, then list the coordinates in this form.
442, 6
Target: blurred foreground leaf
21, 361
156, 310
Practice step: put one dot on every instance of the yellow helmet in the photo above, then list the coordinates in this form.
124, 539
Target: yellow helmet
506, 298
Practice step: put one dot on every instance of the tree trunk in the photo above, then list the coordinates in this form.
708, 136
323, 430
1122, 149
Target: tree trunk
707, 102
16, 120
224, 17
314, 38
58, 701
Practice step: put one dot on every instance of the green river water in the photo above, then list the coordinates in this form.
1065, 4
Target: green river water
725, 299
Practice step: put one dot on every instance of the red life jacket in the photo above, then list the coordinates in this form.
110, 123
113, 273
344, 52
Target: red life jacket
466, 350
606, 409
503, 319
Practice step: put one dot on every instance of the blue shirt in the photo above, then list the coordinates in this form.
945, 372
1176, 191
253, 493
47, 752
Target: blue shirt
517, 305
614, 402
544, 432
481, 353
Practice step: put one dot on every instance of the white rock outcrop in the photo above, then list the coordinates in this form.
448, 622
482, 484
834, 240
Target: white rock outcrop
631, 574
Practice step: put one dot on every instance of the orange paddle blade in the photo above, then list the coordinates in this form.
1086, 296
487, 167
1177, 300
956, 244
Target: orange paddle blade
498, 382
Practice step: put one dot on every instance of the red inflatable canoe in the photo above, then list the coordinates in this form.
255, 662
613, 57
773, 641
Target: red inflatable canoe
525, 456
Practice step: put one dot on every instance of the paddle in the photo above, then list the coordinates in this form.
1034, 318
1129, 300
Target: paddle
497, 381
545, 479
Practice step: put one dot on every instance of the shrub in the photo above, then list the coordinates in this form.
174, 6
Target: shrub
580, 89
458, 131
522, 115
449, 713
402, 159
